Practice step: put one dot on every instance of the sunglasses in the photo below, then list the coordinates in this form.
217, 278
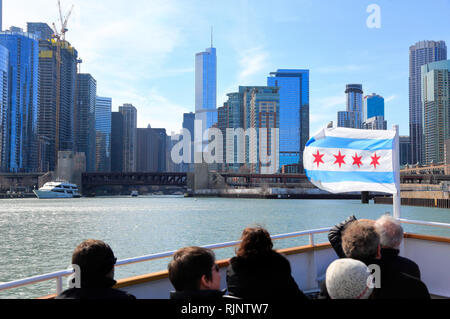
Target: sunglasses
216, 267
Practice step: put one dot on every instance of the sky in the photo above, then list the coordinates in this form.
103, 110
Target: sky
143, 51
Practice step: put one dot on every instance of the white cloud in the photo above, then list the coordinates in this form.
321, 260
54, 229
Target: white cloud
390, 98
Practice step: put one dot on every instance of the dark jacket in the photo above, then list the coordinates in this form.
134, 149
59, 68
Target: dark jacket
335, 236
101, 289
265, 276
390, 256
197, 294
394, 284
399, 275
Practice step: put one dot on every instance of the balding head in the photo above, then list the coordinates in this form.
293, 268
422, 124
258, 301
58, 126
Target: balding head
390, 231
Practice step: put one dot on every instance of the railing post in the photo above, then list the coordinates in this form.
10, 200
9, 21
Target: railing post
311, 239
58, 285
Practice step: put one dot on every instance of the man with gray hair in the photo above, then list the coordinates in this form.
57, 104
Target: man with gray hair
391, 236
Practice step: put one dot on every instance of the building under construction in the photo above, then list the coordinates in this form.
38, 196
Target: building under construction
57, 88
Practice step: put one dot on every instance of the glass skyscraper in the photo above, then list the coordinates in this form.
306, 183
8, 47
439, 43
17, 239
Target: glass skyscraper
84, 121
421, 53
103, 134
353, 116
129, 113
373, 106
436, 109
4, 71
20, 120
116, 142
205, 88
373, 113
294, 113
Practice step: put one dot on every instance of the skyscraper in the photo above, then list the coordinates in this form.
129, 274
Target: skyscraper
205, 88
20, 147
116, 142
373, 113
84, 119
4, 90
230, 116
264, 116
57, 95
129, 113
103, 134
40, 29
188, 123
152, 149
405, 150
436, 109
353, 116
421, 53
294, 113
373, 106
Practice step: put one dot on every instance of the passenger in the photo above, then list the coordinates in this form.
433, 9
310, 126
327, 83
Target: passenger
96, 261
347, 278
391, 236
194, 274
258, 271
360, 241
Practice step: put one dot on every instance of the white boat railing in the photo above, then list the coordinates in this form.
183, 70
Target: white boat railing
58, 275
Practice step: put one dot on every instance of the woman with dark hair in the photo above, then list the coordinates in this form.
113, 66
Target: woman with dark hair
259, 272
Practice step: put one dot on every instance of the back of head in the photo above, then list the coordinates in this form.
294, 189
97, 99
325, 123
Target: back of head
360, 241
255, 241
390, 231
188, 266
95, 259
347, 279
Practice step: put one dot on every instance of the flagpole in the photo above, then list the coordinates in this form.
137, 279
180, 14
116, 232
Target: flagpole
396, 200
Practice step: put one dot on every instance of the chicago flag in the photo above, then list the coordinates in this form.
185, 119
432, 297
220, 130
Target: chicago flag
341, 160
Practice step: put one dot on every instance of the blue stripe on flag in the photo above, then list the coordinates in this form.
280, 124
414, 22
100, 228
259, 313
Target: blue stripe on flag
352, 176
352, 143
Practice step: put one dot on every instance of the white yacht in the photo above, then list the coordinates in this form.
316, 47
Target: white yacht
134, 193
57, 190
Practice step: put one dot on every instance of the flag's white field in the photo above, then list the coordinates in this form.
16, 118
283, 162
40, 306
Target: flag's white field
341, 160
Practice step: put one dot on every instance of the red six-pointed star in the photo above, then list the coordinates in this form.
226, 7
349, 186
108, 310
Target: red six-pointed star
357, 160
318, 158
375, 159
339, 159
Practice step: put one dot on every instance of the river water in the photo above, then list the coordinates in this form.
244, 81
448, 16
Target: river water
38, 236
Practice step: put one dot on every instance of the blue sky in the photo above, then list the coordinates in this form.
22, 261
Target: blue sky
143, 52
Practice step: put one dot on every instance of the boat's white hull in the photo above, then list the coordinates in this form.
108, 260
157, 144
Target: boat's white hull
49, 195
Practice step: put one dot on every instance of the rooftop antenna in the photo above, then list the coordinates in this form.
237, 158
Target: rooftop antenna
211, 36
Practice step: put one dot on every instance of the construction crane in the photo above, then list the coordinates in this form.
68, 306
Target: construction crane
61, 34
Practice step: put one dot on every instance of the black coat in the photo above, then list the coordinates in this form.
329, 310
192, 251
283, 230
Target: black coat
394, 285
99, 290
390, 256
262, 277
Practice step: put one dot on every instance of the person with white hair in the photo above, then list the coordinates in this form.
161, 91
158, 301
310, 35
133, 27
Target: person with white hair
348, 278
391, 236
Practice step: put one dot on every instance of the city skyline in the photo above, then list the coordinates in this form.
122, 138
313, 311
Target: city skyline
158, 74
